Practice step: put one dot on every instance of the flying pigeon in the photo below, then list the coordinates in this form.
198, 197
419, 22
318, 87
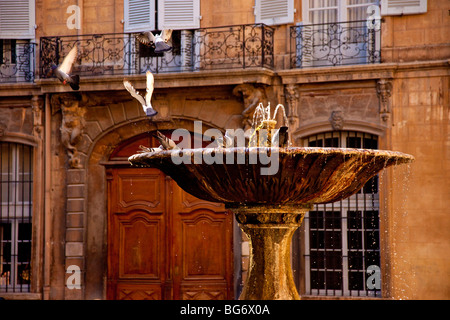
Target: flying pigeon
62, 72
146, 103
166, 143
225, 141
159, 40
282, 136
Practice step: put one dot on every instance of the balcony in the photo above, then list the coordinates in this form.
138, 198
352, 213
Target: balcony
226, 49
17, 61
220, 48
335, 44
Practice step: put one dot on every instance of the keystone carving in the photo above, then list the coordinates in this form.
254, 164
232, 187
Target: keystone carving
337, 120
384, 88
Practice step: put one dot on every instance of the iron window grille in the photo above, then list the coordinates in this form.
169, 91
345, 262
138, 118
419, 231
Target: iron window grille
341, 239
16, 184
16, 60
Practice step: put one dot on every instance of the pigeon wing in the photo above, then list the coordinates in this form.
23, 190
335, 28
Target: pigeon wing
69, 60
133, 92
146, 38
166, 34
150, 86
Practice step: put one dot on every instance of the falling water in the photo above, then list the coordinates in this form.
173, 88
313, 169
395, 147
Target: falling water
394, 218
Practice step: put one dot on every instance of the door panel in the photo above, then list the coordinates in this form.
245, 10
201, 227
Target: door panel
138, 292
202, 251
139, 253
164, 243
140, 190
136, 234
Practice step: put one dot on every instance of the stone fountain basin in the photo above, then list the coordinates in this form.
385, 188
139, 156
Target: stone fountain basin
305, 175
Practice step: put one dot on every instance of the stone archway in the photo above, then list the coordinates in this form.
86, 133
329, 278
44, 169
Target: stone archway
95, 241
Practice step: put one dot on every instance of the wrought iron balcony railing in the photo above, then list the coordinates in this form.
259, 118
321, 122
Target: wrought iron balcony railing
230, 47
16, 61
332, 44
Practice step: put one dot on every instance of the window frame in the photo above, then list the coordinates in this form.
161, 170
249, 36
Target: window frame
342, 9
16, 213
365, 203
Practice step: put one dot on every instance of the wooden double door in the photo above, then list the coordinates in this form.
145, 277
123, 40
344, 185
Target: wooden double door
164, 243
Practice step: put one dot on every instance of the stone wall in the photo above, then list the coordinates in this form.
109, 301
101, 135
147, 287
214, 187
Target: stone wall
419, 223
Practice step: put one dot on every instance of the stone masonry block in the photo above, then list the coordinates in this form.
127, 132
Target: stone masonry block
75, 176
75, 205
75, 191
75, 220
74, 249
74, 235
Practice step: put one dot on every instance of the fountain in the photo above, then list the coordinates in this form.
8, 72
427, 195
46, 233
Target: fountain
269, 205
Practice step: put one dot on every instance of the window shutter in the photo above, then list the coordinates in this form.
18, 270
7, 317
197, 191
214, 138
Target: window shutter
17, 19
139, 15
178, 14
273, 12
400, 7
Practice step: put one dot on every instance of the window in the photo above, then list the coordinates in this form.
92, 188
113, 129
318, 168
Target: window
147, 15
330, 11
338, 32
341, 240
16, 184
401, 7
17, 19
273, 12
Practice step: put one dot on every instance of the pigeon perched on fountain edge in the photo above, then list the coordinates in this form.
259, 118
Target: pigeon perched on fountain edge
158, 40
166, 143
146, 103
62, 72
225, 141
282, 136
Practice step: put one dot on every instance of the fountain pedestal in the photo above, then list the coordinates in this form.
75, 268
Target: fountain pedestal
270, 230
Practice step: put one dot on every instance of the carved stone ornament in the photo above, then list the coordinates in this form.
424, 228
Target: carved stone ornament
72, 125
292, 97
161, 104
337, 120
252, 97
384, 88
36, 105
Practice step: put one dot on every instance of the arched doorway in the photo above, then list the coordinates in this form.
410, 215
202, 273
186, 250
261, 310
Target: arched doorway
163, 243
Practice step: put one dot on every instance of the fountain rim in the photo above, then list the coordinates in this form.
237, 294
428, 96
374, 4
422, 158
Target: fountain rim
284, 151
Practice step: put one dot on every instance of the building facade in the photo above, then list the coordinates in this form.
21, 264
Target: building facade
77, 222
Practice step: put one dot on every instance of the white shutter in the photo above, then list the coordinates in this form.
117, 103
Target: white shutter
178, 14
17, 19
139, 15
273, 12
400, 7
